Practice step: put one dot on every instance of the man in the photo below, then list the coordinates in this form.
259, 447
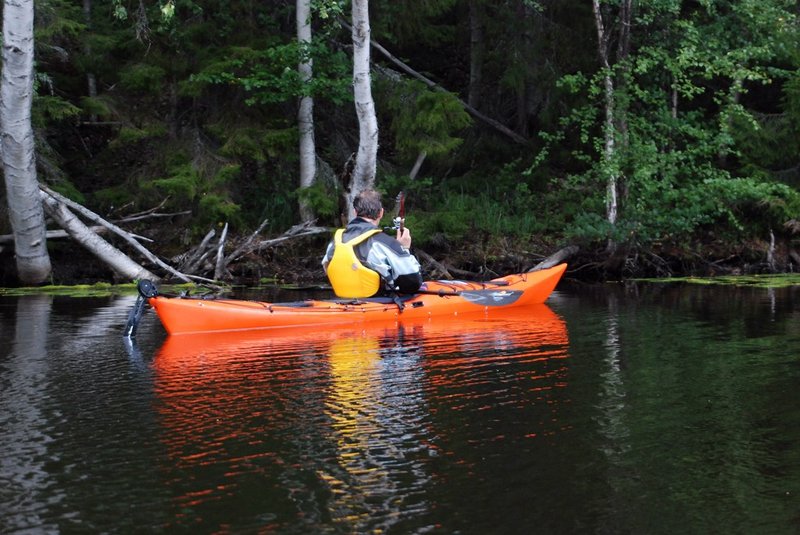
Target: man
362, 261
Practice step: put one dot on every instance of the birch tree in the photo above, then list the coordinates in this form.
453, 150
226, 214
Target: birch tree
613, 125
16, 92
367, 156
305, 112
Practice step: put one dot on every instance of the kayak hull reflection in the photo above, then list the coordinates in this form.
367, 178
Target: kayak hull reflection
442, 299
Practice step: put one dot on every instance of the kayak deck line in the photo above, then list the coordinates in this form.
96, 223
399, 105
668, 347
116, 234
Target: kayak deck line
189, 314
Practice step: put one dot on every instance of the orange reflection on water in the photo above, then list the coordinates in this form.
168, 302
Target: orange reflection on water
362, 409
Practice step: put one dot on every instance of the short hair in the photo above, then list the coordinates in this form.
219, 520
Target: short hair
368, 204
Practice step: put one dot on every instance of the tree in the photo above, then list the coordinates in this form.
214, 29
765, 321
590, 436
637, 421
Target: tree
477, 45
366, 159
25, 209
305, 112
611, 122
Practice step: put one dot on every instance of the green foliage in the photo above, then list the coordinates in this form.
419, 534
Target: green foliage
425, 120
185, 185
411, 21
464, 217
97, 106
113, 196
323, 202
46, 107
182, 183
129, 135
256, 143
677, 114
68, 190
270, 76
144, 78
770, 143
206, 92
218, 208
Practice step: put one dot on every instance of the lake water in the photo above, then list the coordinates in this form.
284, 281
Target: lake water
639, 408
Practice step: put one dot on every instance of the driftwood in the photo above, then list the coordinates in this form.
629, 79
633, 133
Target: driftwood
556, 258
47, 192
303, 229
247, 245
198, 260
439, 271
193, 259
8, 239
219, 267
113, 257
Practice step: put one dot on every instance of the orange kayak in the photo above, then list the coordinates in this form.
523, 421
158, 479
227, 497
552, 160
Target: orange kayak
182, 315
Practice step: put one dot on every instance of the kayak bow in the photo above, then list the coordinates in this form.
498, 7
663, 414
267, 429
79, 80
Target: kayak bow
182, 315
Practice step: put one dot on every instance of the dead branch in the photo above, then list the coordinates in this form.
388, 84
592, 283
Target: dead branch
436, 87
196, 257
113, 257
556, 258
152, 215
219, 268
47, 192
8, 239
302, 229
247, 245
441, 272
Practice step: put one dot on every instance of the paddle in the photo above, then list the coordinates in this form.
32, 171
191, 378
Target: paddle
488, 297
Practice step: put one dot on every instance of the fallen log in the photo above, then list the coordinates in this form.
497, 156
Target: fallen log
77, 230
559, 257
303, 229
193, 259
47, 193
247, 245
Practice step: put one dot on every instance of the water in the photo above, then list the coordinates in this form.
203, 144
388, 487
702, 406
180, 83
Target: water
615, 409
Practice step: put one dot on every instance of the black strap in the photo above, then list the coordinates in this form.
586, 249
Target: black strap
397, 300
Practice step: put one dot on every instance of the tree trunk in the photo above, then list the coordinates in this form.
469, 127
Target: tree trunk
91, 79
305, 112
477, 46
367, 156
25, 209
609, 149
417, 164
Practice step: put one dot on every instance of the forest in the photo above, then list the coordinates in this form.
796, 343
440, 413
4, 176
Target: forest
647, 138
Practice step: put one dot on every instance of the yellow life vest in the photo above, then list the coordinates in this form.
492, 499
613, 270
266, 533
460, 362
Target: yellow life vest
349, 277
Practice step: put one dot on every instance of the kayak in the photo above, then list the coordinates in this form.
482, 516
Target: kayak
439, 299
533, 326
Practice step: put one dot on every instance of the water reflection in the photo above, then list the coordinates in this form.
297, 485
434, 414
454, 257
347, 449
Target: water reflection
667, 409
24, 451
347, 427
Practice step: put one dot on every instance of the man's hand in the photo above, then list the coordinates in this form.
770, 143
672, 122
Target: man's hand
404, 237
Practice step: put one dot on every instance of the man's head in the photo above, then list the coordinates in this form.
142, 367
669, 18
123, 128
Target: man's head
367, 204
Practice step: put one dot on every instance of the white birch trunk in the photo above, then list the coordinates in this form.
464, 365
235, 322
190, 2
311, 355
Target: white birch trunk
305, 112
608, 129
367, 156
16, 91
